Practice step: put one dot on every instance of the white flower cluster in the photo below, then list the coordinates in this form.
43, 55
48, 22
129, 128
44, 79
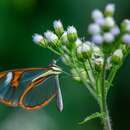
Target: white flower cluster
107, 40
50, 38
104, 28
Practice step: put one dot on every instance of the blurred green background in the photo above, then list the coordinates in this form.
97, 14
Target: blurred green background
19, 20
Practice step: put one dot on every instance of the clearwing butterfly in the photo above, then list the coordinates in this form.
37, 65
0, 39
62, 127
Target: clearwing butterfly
31, 88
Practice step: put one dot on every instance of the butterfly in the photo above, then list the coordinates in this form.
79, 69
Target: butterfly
31, 88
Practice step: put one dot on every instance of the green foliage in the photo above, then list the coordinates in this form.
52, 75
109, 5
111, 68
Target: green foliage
91, 117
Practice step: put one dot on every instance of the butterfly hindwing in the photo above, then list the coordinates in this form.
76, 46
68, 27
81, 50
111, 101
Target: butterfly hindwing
40, 93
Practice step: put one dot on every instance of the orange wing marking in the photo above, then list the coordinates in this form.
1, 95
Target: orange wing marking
16, 78
17, 74
30, 87
8, 103
2, 74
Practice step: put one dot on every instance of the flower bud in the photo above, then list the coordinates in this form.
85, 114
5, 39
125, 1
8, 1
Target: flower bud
97, 39
96, 51
97, 14
115, 31
64, 38
84, 51
126, 38
78, 42
72, 33
94, 29
75, 75
109, 64
109, 22
59, 30
98, 63
66, 59
108, 37
66, 42
126, 25
65, 49
51, 38
109, 10
117, 56
38, 39
100, 21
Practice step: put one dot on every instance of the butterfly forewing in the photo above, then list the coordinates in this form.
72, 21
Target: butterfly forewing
41, 92
14, 83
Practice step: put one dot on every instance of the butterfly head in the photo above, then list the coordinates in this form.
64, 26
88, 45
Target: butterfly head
56, 69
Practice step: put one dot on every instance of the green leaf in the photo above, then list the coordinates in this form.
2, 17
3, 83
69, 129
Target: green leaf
93, 116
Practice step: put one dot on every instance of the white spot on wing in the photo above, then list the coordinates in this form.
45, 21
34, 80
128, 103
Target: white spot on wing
8, 78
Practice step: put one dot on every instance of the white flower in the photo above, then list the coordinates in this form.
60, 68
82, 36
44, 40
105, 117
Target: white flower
108, 37
83, 48
109, 22
96, 51
126, 38
59, 30
118, 53
50, 36
100, 21
72, 33
99, 63
78, 42
126, 25
110, 8
84, 51
94, 29
37, 38
117, 56
64, 37
97, 39
96, 14
66, 59
99, 60
71, 29
115, 31
57, 24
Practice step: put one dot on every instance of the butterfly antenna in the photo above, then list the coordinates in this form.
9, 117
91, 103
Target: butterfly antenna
66, 73
57, 60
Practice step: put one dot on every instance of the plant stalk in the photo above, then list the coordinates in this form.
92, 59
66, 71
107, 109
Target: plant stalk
103, 105
106, 119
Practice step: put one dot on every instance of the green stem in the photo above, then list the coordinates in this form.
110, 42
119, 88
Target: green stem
98, 84
53, 50
92, 68
103, 103
106, 119
111, 76
90, 77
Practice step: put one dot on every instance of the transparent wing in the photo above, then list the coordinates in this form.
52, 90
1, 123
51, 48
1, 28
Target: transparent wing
41, 92
10, 94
